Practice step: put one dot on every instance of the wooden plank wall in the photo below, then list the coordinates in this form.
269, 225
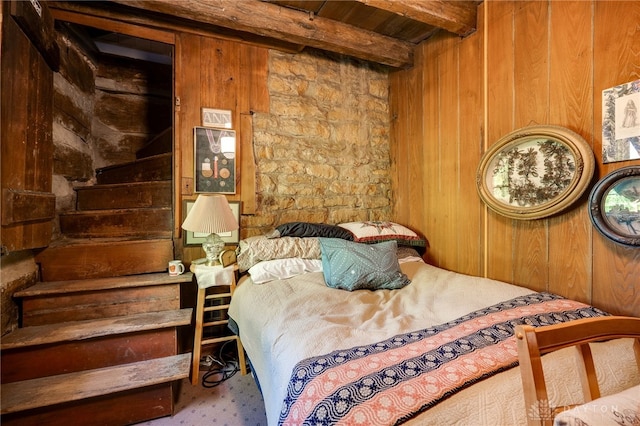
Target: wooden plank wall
530, 62
221, 74
27, 147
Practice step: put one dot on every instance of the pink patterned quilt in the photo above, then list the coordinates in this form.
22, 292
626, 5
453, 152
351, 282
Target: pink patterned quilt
389, 382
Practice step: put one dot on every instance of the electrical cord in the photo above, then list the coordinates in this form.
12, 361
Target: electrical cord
220, 370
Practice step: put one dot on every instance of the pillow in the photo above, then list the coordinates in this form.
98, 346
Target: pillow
306, 229
408, 254
612, 409
376, 231
353, 266
280, 269
259, 248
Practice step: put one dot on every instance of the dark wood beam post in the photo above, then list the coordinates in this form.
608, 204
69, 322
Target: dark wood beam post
281, 23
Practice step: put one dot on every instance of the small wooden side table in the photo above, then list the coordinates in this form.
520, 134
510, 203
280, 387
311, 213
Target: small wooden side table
201, 308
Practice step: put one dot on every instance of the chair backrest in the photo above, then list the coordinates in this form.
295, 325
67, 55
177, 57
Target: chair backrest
533, 342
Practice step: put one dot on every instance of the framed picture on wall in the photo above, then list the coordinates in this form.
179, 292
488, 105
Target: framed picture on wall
614, 206
215, 160
220, 118
197, 238
621, 123
535, 172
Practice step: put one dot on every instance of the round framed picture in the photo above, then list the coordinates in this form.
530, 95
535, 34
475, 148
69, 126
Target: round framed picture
535, 172
614, 206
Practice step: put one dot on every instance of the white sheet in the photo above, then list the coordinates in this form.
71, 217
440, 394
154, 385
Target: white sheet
285, 321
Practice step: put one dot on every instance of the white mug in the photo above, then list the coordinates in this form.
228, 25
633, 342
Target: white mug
176, 267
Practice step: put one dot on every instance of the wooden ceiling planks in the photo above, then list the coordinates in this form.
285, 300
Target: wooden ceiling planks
380, 31
458, 17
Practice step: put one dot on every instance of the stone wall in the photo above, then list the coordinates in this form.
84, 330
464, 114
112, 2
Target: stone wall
322, 153
19, 271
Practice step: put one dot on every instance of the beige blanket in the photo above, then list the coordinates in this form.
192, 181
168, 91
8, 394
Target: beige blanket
283, 322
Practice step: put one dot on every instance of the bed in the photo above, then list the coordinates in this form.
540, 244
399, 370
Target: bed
435, 347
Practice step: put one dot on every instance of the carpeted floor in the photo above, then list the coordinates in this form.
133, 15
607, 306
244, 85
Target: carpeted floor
234, 402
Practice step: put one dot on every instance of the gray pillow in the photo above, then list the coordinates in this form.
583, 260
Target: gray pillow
352, 266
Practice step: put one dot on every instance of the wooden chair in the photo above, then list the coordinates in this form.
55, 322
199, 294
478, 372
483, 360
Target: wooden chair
534, 342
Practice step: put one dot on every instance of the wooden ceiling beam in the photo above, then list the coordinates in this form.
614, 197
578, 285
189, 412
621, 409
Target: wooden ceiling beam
285, 24
458, 17
163, 30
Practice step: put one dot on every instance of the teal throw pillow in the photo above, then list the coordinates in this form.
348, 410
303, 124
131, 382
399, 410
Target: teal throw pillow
352, 266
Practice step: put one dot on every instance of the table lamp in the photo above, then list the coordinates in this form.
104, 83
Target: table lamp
210, 215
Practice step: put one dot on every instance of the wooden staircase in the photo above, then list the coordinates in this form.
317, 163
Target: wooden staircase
99, 337
122, 225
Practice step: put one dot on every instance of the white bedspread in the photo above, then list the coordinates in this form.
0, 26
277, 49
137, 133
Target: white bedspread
285, 321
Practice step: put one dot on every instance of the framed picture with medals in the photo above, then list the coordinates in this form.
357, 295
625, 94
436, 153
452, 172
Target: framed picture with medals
215, 160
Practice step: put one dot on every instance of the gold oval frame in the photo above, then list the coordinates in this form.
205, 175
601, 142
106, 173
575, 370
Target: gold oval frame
567, 165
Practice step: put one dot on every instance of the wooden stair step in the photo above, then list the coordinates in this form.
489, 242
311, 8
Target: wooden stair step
89, 329
148, 222
123, 408
74, 286
124, 195
47, 391
85, 345
77, 259
65, 301
160, 144
157, 167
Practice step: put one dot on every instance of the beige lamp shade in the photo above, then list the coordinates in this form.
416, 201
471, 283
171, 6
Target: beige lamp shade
210, 214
